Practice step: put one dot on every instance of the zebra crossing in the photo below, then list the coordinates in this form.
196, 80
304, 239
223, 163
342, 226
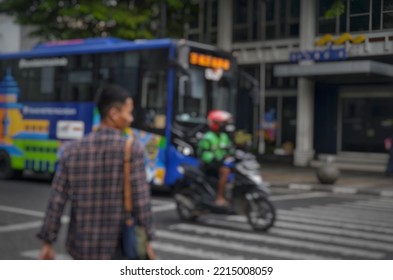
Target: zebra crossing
360, 229
354, 229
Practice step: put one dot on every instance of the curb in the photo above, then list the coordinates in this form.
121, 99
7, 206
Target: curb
334, 189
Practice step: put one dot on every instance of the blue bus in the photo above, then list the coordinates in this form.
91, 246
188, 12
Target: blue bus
46, 98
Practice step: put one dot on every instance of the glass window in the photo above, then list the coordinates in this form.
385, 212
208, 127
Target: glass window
273, 82
295, 8
387, 14
154, 96
151, 75
81, 61
205, 95
36, 83
281, 19
47, 80
194, 16
327, 26
194, 37
360, 6
363, 15
364, 123
359, 23
270, 10
270, 124
80, 80
213, 37
294, 30
387, 5
242, 18
387, 20
283, 11
203, 21
221, 95
241, 11
194, 108
288, 122
343, 23
324, 5
376, 14
359, 15
240, 34
214, 13
270, 32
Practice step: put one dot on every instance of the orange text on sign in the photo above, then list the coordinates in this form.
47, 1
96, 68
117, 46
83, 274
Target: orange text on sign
205, 60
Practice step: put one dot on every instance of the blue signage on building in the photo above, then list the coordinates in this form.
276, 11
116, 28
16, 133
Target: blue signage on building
328, 54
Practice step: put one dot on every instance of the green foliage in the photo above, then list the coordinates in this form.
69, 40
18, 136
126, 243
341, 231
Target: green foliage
337, 9
68, 19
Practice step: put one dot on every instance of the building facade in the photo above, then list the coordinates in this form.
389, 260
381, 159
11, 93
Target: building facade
327, 84
14, 37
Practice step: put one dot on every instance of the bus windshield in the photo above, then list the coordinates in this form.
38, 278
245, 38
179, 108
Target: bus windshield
208, 92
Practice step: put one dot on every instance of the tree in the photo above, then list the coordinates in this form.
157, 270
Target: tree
337, 9
68, 19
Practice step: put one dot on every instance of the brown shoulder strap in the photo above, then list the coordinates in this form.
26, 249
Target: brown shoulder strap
127, 176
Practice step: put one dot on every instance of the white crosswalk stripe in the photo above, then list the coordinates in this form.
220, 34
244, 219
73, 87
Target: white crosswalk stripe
345, 215
237, 246
358, 229
196, 229
336, 231
351, 230
194, 253
340, 224
21, 226
339, 209
303, 235
34, 254
375, 205
314, 216
361, 208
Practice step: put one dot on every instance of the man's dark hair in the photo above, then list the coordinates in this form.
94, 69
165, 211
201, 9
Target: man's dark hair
109, 96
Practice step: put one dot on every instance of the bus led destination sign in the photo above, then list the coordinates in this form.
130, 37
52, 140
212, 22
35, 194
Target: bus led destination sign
205, 60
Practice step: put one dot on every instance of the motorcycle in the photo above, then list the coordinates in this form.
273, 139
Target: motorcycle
248, 195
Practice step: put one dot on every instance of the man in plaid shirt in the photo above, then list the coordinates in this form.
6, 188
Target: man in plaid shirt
90, 174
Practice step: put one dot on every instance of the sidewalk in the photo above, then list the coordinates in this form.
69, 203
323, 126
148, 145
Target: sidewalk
304, 178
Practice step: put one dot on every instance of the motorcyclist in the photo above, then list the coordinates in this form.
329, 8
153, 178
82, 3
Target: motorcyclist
216, 149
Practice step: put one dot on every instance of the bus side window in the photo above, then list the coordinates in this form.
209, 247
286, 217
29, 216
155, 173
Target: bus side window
154, 100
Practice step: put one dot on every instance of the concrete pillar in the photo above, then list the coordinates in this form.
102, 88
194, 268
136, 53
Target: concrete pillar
305, 123
304, 151
10, 40
225, 23
27, 42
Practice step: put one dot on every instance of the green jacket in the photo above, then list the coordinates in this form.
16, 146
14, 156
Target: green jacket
214, 147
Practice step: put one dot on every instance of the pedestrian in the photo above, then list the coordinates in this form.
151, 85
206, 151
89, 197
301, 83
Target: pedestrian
90, 175
388, 142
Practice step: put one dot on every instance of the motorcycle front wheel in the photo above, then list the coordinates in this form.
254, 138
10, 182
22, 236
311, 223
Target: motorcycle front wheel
260, 212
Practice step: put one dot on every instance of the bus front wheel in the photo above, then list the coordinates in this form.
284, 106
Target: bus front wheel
6, 171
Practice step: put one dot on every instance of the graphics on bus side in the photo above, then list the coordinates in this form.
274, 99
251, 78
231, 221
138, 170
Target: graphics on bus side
32, 133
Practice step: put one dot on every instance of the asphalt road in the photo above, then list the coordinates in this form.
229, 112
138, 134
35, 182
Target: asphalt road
310, 225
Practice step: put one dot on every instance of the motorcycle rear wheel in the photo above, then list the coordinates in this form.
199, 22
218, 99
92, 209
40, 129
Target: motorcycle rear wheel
260, 213
185, 205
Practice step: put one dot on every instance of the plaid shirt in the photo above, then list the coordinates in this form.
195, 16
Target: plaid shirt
90, 174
